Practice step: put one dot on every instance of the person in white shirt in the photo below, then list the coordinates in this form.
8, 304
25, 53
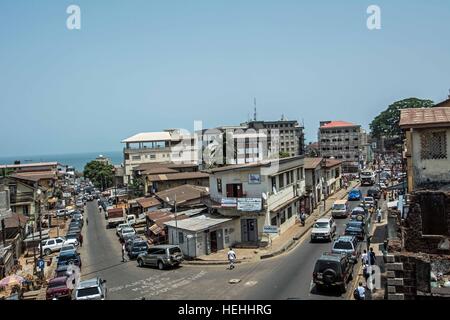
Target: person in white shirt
379, 215
361, 292
365, 258
231, 258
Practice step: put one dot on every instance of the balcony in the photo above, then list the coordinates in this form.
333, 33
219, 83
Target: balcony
22, 197
285, 195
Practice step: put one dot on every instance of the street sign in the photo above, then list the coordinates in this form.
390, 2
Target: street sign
270, 229
228, 203
41, 264
249, 204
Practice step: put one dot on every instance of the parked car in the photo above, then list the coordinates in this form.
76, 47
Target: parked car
57, 289
132, 239
61, 271
62, 213
52, 245
136, 248
382, 186
126, 232
323, 229
120, 226
348, 245
369, 202
73, 239
340, 209
68, 247
355, 228
161, 256
92, 289
359, 213
74, 229
66, 258
374, 192
333, 271
354, 194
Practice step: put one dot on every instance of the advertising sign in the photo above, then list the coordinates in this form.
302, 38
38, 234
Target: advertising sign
270, 229
249, 204
254, 178
228, 203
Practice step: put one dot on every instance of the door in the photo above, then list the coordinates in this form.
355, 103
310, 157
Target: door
213, 239
59, 243
51, 245
249, 230
234, 190
220, 242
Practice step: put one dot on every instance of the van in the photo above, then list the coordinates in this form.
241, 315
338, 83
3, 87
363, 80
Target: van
340, 209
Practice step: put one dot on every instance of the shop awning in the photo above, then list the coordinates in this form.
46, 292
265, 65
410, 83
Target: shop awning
155, 229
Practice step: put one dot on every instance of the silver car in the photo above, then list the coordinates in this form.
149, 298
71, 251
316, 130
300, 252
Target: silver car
161, 256
92, 289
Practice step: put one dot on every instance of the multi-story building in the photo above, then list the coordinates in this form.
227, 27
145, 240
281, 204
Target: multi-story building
341, 140
255, 195
168, 146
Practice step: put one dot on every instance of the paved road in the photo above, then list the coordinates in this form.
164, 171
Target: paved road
287, 276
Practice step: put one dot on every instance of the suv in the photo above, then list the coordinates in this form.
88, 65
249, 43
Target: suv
126, 233
52, 245
68, 257
323, 229
374, 192
92, 289
355, 228
136, 248
57, 289
348, 245
333, 270
161, 256
340, 209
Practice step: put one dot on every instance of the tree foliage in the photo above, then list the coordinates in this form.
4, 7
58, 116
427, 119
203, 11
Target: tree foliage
387, 122
137, 186
284, 154
101, 174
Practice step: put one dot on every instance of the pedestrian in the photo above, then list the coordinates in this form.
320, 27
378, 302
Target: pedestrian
87, 221
379, 215
365, 258
303, 218
360, 292
366, 273
81, 240
372, 257
231, 258
123, 252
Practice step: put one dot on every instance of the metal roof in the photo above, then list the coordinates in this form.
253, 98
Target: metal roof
425, 117
198, 223
148, 137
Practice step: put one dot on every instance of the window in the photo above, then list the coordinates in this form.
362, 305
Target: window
152, 156
281, 180
282, 217
289, 212
288, 178
433, 213
291, 173
274, 183
433, 145
219, 185
273, 221
136, 158
180, 237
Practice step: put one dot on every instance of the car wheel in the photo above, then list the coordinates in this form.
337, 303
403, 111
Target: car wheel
160, 265
140, 263
47, 252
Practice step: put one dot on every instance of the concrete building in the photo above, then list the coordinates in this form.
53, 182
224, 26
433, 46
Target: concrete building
341, 140
267, 193
313, 182
427, 144
172, 145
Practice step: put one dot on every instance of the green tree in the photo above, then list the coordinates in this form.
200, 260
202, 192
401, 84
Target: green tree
101, 174
137, 186
284, 154
387, 122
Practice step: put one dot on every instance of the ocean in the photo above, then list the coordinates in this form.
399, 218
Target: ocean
76, 160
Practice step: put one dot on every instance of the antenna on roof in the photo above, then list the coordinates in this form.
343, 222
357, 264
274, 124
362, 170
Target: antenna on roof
254, 113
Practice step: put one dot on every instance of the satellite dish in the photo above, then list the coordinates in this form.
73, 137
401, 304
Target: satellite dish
264, 195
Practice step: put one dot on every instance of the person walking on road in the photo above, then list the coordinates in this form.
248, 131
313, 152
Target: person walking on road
231, 258
379, 215
372, 257
303, 218
365, 258
81, 240
360, 292
123, 252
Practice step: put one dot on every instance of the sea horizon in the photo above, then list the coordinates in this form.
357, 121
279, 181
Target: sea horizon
76, 160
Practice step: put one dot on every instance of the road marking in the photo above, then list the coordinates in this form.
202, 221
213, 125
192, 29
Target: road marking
251, 283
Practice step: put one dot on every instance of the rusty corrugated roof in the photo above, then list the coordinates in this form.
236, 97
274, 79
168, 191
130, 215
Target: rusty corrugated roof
425, 117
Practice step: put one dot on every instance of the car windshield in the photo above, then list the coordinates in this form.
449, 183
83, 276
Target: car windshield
174, 250
85, 292
59, 284
368, 199
343, 245
340, 206
127, 230
354, 224
321, 225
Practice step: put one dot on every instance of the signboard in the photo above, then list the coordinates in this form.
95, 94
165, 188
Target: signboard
41, 264
249, 204
254, 178
228, 203
270, 229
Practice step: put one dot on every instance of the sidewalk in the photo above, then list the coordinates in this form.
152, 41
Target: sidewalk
280, 244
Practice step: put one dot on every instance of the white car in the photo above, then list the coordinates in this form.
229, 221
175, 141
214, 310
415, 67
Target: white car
126, 232
120, 227
71, 241
323, 229
52, 245
382, 185
369, 201
68, 247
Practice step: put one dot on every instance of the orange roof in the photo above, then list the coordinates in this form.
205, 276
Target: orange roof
332, 163
312, 163
336, 124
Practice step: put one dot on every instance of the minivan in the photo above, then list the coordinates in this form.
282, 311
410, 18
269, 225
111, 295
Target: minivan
340, 209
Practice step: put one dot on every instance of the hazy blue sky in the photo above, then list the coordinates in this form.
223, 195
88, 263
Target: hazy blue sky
148, 65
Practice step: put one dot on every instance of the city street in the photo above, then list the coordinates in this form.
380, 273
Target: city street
288, 276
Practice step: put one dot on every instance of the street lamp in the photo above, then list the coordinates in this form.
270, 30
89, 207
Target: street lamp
39, 193
175, 212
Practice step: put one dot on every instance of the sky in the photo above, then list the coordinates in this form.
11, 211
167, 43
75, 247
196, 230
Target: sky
137, 66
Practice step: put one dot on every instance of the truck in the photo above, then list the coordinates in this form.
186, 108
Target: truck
367, 177
115, 217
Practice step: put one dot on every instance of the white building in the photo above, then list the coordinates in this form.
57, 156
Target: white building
267, 193
172, 145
